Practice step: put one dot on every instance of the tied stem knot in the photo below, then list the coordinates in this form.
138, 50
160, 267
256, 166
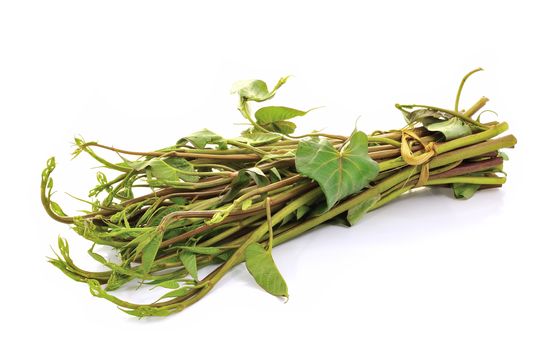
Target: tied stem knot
422, 159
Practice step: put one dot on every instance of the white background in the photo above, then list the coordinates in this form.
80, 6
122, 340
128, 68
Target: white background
425, 272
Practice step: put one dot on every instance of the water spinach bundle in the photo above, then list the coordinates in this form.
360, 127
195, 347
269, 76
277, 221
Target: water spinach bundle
210, 202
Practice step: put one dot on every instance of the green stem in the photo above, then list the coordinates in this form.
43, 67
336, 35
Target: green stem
388, 141
458, 95
478, 180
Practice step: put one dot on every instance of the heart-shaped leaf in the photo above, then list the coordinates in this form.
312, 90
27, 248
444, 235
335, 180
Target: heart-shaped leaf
339, 173
261, 266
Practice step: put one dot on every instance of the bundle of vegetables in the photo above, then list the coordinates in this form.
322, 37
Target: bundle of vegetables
214, 201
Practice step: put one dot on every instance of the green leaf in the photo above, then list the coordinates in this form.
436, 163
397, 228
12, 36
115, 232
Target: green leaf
464, 191
177, 292
275, 172
57, 209
301, 211
169, 284
246, 204
182, 165
202, 138
162, 212
503, 155
452, 128
163, 171
170, 169
225, 255
179, 200
283, 127
256, 90
242, 180
149, 252
425, 116
289, 217
270, 114
339, 173
261, 266
258, 138
116, 280
97, 291
189, 261
356, 213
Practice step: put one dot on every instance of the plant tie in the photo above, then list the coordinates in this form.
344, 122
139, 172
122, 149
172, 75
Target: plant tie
418, 159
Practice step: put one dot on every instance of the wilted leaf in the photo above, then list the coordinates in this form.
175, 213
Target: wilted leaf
202, 138
452, 128
256, 90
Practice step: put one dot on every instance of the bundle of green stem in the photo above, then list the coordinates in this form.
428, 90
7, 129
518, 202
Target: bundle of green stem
214, 202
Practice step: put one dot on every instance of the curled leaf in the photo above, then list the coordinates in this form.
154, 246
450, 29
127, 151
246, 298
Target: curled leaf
452, 128
256, 90
202, 138
464, 191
